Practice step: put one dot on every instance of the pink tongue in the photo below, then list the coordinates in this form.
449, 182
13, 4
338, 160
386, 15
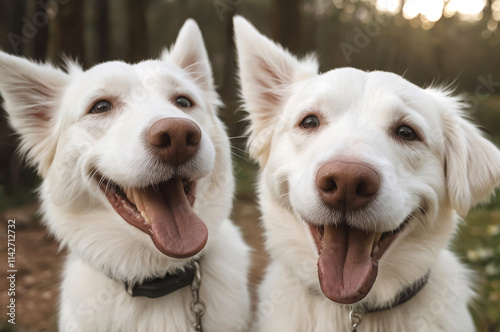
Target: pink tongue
345, 268
176, 230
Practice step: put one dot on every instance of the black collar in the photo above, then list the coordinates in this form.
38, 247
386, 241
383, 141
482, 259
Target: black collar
159, 287
402, 297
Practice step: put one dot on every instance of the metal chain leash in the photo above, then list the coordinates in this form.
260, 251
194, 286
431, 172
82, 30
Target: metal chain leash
355, 318
197, 305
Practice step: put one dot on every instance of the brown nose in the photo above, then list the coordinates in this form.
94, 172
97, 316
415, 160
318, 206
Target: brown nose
347, 184
174, 140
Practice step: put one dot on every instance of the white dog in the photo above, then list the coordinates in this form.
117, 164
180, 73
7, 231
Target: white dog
362, 178
137, 184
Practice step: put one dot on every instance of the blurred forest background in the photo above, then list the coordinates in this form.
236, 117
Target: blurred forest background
425, 40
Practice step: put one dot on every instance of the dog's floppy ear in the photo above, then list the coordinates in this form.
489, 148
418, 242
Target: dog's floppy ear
190, 54
472, 162
267, 73
32, 93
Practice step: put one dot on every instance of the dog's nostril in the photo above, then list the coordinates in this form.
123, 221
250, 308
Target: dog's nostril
193, 138
163, 140
368, 187
362, 189
160, 139
327, 184
331, 185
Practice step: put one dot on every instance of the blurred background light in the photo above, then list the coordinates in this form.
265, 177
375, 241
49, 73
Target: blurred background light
389, 6
433, 10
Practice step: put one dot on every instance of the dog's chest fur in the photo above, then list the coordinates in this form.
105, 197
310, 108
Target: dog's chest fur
93, 302
288, 305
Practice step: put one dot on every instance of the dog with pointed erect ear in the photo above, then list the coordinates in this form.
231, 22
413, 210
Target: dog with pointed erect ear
138, 186
364, 178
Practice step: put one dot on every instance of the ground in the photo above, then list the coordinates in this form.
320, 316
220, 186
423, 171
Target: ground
39, 266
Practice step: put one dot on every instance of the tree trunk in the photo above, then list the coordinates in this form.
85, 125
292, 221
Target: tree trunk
228, 88
137, 30
102, 23
13, 41
42, 36
12, 13
3, 25
68, 31
286, 23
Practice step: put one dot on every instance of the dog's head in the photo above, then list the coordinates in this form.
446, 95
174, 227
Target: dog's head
369, 167
134, 160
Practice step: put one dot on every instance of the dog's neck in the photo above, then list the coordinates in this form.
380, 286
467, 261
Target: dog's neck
165, 285
158, 287
405, 295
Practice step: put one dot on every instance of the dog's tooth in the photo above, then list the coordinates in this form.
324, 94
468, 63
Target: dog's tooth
130, 195
146, 217
138, 200
376, 239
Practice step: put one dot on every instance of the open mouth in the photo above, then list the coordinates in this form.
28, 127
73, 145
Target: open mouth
164, 212
348, 259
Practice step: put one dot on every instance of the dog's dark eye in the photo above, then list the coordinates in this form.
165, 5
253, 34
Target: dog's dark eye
406, 133
309, 122
101, 107
183, 102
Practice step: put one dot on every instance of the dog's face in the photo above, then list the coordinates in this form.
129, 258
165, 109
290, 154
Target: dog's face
368, 166
134, 159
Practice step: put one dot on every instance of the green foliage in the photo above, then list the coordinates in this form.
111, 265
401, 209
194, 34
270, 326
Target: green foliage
6, 327
245, 173
23, 194
488, 117
478, 243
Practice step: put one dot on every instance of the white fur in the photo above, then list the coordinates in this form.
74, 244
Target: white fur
48, 108
452, 169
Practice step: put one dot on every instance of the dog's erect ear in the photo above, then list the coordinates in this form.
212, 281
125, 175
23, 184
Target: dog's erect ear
267, 73
472, 162
32, 93
190, 54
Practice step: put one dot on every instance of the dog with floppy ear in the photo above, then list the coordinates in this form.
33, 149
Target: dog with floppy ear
137, 185
364, 178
